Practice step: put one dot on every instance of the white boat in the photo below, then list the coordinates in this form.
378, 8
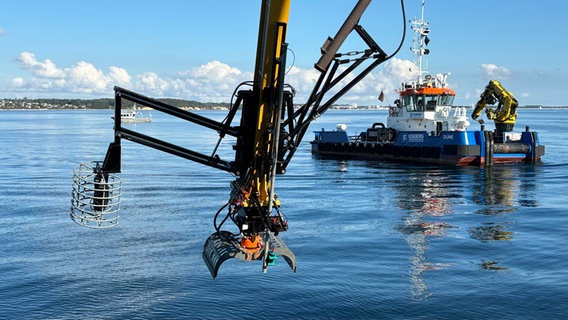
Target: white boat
134, 116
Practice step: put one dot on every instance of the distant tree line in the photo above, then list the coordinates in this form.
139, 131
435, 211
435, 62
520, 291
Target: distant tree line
105, 103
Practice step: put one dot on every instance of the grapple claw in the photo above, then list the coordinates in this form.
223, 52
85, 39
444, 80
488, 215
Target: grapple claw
280, 248
223, 245
218, 248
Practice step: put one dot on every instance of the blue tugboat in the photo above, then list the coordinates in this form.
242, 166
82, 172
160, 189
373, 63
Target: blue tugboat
425, 127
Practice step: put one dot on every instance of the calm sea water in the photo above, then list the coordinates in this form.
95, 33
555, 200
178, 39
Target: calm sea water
373, 240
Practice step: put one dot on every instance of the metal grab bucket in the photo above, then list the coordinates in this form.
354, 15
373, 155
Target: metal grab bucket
95, 199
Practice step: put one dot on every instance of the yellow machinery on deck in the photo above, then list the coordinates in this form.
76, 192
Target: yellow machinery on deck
505, 115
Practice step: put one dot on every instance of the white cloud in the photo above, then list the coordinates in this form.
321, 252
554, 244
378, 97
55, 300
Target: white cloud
83, 77
18, 82
494, 71
211, 82
45, 69
214, 71
366, 92
151, 82
394, 73
302, 80
119, 76
2, 32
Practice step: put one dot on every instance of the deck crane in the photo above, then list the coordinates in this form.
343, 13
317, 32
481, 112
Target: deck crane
505, 115
267, 136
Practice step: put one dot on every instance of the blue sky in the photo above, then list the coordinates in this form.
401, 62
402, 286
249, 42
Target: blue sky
202, 50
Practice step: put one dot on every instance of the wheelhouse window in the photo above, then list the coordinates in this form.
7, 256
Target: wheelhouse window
431, 102
446, 100
421, 103
409, 102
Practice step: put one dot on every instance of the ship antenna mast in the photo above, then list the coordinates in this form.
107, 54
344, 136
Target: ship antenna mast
421, 30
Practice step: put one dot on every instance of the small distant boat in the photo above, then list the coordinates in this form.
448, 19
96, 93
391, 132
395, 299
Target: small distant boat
134, 116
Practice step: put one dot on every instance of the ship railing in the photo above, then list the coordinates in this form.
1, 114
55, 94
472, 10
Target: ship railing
460, 112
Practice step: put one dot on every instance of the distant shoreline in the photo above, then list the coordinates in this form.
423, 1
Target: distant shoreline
108, 104
226, 108
99, 104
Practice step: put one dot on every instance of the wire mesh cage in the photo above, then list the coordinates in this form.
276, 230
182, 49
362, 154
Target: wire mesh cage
95, 201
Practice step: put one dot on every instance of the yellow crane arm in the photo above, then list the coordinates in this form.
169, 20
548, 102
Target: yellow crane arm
267, 80
270, 129
505, 113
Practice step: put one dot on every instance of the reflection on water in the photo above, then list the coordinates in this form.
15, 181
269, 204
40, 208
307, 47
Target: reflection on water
490, 231
494, 190
500, 190
443, 206
423, 194
430, 194
491, 265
